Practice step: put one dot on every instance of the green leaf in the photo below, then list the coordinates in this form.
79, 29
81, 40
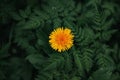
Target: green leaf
44, 76
78, 63
68, 62
101, 74
105, 61
33, 23
4, 51
57, 23
36, 60
87, 59
16, 16
75, 78
78, 7
54, 62
23, 14
106, 35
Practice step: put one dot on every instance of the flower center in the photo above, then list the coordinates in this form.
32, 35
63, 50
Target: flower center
61, 40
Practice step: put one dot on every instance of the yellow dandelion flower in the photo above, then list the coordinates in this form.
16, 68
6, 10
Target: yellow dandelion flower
61, 39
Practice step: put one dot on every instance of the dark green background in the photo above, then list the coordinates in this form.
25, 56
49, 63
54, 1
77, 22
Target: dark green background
25, 53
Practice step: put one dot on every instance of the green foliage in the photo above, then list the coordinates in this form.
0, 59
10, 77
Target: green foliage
83, 36
78, 64
25, 52
101, 74
87, 59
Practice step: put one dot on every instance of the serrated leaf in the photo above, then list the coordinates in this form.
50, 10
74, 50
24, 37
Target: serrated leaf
87, 60
54, 62
4, 51
101, 74
16, 16
32, 24
78, 63
23, 14
36, 60
75, 78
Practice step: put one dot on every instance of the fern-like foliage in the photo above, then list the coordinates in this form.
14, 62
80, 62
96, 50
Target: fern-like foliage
101, 74
25, 52
78, 64
83, 36
87, 59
